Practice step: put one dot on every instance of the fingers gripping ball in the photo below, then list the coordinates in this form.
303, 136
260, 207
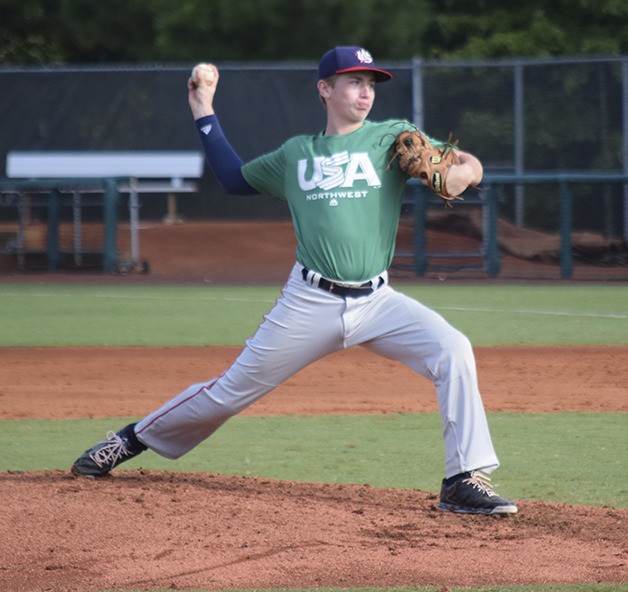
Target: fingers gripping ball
420, 159
203, 75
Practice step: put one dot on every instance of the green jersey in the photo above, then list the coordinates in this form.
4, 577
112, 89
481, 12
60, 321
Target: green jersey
344, 199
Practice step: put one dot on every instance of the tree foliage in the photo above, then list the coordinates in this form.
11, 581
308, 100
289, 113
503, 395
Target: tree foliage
84, 31
537, 28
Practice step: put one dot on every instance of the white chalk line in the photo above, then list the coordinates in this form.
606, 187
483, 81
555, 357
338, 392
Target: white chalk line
525, 311
143, 297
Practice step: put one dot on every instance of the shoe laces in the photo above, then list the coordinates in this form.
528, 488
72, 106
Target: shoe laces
110, 451
481, 482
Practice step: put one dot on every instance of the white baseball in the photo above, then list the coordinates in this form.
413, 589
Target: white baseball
203, 74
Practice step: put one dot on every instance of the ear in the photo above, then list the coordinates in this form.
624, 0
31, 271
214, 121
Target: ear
324, 89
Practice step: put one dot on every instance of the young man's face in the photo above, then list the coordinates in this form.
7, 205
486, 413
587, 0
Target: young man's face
351, 96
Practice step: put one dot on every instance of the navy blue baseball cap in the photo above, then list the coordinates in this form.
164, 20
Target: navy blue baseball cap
350, 59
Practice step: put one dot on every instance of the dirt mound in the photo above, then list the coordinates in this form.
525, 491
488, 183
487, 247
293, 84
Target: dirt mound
534, 245
140, 530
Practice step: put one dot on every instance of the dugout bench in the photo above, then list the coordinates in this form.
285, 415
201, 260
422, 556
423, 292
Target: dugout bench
81, 179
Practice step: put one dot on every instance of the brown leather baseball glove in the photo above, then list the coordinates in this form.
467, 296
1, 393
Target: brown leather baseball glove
419, 158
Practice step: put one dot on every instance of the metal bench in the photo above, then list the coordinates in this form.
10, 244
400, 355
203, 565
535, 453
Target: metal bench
80, 173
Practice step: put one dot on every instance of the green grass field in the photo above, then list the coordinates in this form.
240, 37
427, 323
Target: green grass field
563, 457
566, 457
32, 314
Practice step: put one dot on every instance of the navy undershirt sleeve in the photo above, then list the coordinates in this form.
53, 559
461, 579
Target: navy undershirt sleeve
222, 158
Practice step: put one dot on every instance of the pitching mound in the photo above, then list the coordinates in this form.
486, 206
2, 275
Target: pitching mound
142, 530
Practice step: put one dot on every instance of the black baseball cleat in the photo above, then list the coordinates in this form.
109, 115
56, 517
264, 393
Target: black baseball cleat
472, 494
104, 456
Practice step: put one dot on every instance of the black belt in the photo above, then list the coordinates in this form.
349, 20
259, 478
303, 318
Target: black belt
343, 291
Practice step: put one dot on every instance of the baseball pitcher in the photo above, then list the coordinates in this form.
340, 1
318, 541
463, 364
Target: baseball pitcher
344, 188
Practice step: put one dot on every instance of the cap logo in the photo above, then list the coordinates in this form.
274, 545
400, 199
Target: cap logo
364, 56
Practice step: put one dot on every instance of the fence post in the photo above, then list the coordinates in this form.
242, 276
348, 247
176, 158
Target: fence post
54, 206
624, 112
420, 257
566, 262
491, 245
418, 106
110, 219
519, 149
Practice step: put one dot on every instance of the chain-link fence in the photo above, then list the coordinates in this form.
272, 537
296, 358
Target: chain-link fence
538, 116
518, 116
